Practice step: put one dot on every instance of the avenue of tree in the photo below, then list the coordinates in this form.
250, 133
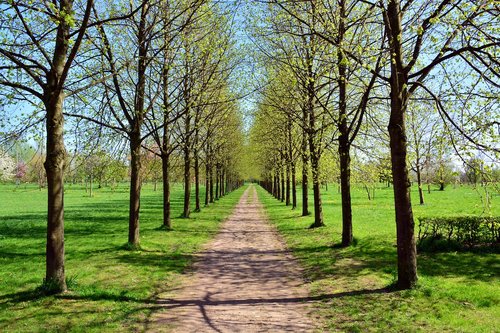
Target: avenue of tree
340, 71
348, 91
154, 74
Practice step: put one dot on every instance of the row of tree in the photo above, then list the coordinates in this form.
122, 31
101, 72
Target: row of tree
338, 72
154, 75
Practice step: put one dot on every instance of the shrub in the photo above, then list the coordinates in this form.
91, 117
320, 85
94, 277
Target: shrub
461, 232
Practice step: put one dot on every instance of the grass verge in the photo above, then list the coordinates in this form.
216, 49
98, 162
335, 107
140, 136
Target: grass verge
457, 291
112, 288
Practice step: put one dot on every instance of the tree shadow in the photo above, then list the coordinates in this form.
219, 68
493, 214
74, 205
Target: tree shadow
201, 306
372, 255
168, 262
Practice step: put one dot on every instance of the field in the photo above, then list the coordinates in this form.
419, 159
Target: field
111, 288
457, 291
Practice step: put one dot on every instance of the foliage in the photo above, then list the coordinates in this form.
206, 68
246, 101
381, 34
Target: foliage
21, 170
464, 231
7, 166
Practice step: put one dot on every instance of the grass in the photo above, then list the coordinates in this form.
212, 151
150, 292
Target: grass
111, 289
457, 291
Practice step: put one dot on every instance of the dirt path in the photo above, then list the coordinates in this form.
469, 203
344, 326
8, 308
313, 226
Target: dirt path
245, 281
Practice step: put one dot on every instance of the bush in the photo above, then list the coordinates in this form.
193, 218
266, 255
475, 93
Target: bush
462, 232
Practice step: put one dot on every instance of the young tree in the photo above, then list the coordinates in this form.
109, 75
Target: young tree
41, 42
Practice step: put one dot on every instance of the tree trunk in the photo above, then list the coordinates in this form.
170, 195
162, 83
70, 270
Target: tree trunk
305, 171
197, 181
165, 166
90, 185
207, 184
217, 179
135, 189
187, 182
345, 185
318, 209
278, 185
344, 144
407, 253
221, 187
287, 201
294, 188
211, 175
315, 158
135, 136
54, 167
282, 175
367, 189
419, 183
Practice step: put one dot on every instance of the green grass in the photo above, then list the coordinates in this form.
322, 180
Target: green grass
112, 289
457, 291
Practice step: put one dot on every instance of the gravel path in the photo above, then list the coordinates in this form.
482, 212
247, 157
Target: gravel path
245, 281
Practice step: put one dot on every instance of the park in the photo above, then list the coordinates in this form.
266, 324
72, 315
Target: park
249, 166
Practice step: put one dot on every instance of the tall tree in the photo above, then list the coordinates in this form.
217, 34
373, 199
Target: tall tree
42, 42
468, 37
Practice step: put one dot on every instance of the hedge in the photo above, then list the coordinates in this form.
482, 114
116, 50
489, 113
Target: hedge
463, 231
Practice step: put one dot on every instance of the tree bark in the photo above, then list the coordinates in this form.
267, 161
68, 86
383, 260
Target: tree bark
278, 185
318, 209
197, 181
217, 179
211, 181
135, 134
222, 187
287, 200
135, 188
344, 144
54, 167
345, 184
406, 247
165, 140
165, 164
419, 183
315, 157
294, 188
91, 185
282, 175
187, 182
207, 184
305, 171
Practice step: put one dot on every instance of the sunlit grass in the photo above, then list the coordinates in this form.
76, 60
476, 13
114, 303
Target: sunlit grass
112, 289
457, 291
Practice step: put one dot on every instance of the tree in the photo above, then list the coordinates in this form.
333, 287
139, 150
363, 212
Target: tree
21, 170
295, 46
7, 166
125, 94
467, 36
41, 44
423, 127
474, 170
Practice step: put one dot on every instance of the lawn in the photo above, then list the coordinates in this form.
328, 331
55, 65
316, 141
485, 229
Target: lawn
457, 291
111, 288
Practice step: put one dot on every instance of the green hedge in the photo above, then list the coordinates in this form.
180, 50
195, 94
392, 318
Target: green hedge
460, 232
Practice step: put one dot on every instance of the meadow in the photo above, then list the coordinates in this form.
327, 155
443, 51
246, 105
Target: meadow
457, 291
112, 289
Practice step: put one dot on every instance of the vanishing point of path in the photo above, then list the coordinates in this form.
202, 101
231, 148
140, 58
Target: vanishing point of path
244, 281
